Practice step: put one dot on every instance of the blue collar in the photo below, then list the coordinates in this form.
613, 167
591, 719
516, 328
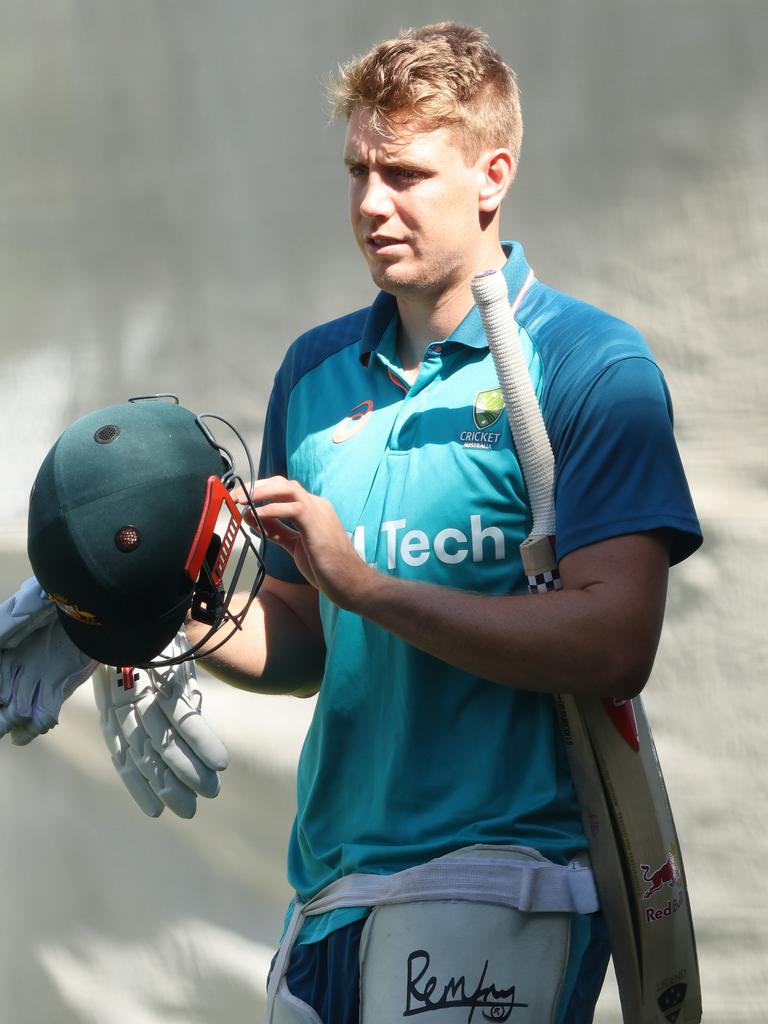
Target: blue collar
469, 332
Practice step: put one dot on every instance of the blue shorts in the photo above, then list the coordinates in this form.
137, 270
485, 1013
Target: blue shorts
326, 975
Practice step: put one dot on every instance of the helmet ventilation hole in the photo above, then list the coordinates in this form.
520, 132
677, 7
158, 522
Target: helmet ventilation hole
107, 433
127, 539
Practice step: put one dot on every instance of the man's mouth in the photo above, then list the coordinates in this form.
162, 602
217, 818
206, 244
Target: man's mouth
382, 244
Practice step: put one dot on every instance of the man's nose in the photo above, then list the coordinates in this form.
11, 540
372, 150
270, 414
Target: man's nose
376, 200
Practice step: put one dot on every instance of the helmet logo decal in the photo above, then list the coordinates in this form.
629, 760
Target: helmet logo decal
353, 423
73, 611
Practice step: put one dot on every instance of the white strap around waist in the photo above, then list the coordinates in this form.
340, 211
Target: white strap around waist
530, 885
511, 876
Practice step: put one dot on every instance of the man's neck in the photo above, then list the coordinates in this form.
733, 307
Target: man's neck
425, 319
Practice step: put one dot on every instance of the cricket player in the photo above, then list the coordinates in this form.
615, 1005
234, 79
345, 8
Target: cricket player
392, 494
437, 856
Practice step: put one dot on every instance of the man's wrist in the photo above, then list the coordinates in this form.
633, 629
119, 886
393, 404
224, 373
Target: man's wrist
362, 590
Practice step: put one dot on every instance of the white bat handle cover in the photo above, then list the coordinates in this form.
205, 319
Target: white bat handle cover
528, 430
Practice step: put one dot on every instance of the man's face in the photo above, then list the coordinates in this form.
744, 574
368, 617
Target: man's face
414, 207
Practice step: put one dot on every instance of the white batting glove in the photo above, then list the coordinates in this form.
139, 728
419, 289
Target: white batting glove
24, 612
39, 665
160, 745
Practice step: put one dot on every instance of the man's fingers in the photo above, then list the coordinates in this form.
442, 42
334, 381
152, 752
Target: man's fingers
278, 498
277, 490
281, 534
291, 510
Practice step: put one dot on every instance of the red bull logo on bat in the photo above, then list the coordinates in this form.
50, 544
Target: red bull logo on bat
667, 874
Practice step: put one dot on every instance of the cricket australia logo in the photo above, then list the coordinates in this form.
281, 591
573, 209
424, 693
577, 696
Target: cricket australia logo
488, 407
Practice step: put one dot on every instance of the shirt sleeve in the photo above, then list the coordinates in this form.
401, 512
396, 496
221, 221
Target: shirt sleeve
274, 462
618, 467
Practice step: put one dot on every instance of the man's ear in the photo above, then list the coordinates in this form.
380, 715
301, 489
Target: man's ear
498, 169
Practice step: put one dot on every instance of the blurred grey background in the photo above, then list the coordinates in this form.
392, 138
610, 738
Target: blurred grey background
172, 214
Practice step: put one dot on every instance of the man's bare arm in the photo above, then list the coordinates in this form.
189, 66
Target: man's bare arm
598, 635
279, 650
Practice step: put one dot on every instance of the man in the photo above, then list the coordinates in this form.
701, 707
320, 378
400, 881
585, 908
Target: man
391, 490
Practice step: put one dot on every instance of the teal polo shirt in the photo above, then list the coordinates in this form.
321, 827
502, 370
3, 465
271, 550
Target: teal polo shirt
408, 758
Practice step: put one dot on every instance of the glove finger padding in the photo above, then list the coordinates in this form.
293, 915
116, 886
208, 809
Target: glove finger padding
119, 749
174, 750
175, 794
147, 778
153, 727
37, 675
180, 699
9, 674
24, 612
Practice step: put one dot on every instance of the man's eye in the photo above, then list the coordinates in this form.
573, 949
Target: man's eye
356, 170
408, 174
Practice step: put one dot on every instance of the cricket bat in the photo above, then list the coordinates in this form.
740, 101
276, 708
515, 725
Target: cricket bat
625, 809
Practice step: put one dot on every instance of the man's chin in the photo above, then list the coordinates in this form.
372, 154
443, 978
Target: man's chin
393, 277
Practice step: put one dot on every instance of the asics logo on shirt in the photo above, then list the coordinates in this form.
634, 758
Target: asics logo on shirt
450, 545
353, 423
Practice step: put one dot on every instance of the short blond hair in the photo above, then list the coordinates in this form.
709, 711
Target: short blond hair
442, 75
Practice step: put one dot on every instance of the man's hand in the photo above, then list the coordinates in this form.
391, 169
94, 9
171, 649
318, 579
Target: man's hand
161, 747
40, 667
317, 541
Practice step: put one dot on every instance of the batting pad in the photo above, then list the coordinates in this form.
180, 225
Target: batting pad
456, 959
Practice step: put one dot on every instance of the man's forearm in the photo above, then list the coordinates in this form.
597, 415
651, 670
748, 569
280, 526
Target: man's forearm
275, 652
599, 636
